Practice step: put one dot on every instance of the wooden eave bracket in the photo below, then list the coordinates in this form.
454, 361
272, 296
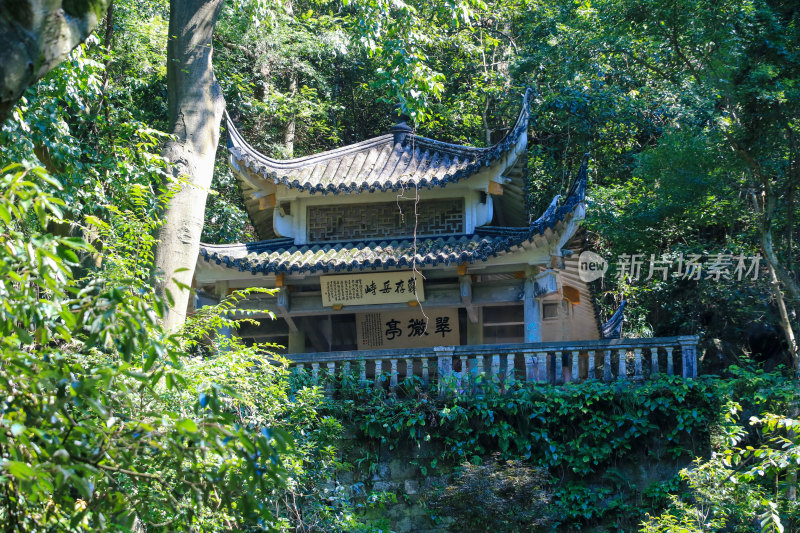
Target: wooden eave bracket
283, 309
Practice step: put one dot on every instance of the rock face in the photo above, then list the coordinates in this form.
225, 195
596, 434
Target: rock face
397, 474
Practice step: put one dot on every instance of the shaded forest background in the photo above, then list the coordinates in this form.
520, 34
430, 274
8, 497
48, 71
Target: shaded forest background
690, 110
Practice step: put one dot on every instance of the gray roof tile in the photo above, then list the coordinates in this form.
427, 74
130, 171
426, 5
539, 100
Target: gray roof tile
379, 163
282, 255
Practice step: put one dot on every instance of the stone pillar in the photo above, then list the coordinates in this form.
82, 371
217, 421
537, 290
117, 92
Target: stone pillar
314, 373
409, 368
622, 373
689, 357
533, 315
607, 377
426, 377
590, 371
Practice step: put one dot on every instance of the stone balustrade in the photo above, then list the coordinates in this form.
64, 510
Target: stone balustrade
460, 367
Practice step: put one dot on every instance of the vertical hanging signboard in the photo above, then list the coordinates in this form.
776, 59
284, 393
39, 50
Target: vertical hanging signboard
407, 328
371, 288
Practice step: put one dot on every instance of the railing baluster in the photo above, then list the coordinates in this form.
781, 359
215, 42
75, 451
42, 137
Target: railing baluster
393, 375
559, 367
330, 380
409, 368
426, 377
314, 373
670, 363
653, 362
479, 368
590, 371
530, 369
495, 368
576, 369
510, 370
464, 376
607, 377
637, 364
378, 371
541, 364
622, 373
362, 372
346, 369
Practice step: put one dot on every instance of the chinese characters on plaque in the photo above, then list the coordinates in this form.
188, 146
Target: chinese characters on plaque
372, 288
407, 328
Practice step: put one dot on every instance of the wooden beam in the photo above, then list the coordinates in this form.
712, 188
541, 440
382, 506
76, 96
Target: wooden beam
495, 188
266, 201
283, 309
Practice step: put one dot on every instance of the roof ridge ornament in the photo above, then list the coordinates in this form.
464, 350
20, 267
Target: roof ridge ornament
401, 127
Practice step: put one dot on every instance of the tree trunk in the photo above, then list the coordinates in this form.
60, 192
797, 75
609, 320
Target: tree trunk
37, 36
288, 137
195, 112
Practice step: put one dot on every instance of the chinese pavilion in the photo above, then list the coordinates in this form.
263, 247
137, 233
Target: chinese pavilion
402, 241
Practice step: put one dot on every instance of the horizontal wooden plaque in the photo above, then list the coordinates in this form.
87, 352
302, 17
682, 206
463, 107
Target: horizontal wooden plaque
371, 288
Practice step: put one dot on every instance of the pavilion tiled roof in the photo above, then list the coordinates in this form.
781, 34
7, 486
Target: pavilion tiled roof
383, 163
282, 255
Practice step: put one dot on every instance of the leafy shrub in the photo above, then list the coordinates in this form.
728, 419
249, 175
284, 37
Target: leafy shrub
500, 496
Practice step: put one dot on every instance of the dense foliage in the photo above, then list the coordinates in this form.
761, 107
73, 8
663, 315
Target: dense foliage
612, 453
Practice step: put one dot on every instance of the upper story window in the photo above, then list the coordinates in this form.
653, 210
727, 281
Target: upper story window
347, 222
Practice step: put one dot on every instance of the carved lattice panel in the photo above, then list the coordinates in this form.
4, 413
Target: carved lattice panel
350, 222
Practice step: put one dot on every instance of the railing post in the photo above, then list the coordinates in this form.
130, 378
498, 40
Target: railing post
559, 367
607, 377
362, 372
637, 364
314, 373
530, 370
445, 366
541, 364
653, 361
576, 369
510, 370
622, 373
426, 377
670, 364
590, 371
393, 375
689, 357
409, 368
